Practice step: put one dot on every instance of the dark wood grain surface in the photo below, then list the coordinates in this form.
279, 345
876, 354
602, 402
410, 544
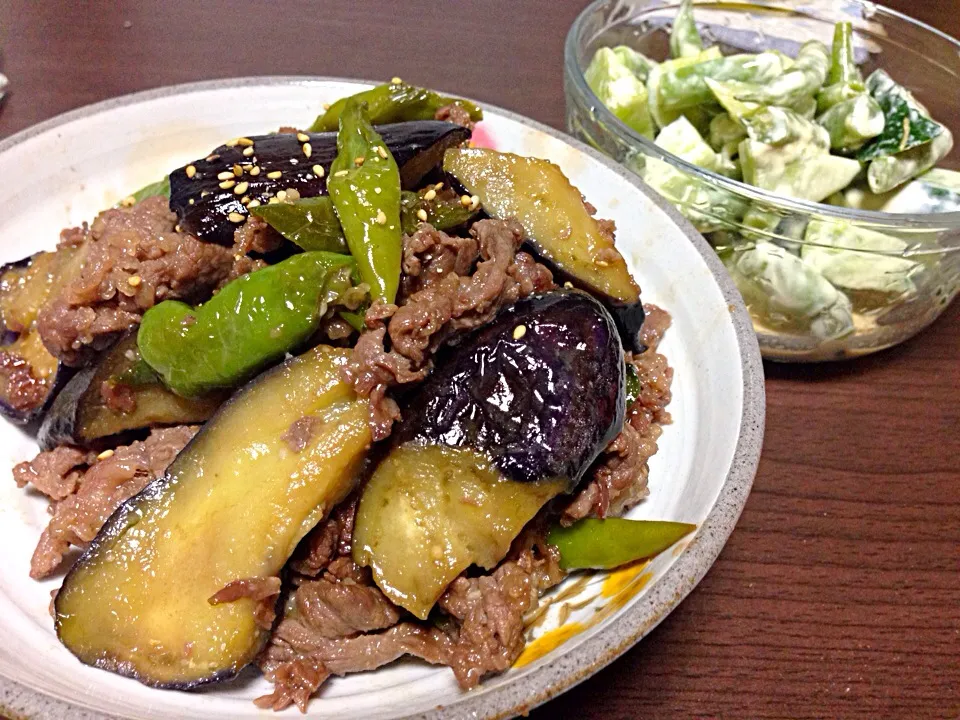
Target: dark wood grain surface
838, 595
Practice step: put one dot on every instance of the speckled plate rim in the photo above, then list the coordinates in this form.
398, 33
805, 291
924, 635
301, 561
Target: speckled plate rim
519, 696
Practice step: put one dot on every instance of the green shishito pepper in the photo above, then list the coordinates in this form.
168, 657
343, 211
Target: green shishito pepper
394, 102
364, 185
609, 543
309, 222
252, 322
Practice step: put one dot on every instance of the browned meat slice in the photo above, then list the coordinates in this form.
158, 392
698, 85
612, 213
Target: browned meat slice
135, 258
489, 609
456, 114
103, 487
429, 255
330, 540
56, 473
620, 479
23, 391
255, 235
297, 661
262, 590
335, 609
441, 307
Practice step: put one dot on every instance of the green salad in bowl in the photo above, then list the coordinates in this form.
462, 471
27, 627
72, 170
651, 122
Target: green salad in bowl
795, 142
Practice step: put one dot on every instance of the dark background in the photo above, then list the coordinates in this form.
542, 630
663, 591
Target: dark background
839, 593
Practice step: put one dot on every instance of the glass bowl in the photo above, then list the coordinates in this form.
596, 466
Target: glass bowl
901, 284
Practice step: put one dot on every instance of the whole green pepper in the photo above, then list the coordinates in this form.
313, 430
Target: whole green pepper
608, 543
364, 185
394, 102
310, 223
253, 321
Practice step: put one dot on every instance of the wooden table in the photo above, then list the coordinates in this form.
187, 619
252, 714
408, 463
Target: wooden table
839, 593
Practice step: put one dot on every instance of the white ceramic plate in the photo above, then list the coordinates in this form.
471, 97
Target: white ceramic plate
64, 171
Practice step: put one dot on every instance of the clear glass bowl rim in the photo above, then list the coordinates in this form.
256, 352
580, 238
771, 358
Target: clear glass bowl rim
903, 221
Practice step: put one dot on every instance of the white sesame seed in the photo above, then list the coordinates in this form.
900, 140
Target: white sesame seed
340, 173
134, 280
377, 190
236, 217
381, 217
128, 201
474, 199
465, 200
293, 194
275, 175
225, 175
303, 137
227, 184
105, 454
396, 81
326, 106
307, 149
245, 141
237, 170
248, 151
255, 170
245, 200
204, 193
241, 188
422, 214
253, 203
318, 170
191, 171
381, 152
190, 201
519, 331
430, 195
232, 143
272, 201
358, 161
438, 187
568, 285
282, 195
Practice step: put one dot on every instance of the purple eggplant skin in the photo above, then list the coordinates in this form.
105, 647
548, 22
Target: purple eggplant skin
540, 390
418, 148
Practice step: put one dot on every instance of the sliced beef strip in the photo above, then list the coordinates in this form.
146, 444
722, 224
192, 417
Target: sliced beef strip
488, 636
56, 473
105, 484
135, 258
619, 479
297, 662
443, 305
327, 542
456, 114
255, 235
262, 590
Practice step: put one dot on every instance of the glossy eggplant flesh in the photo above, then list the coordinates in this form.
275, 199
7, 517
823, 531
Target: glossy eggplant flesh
118, 395
232, 506
29, 375
553, 213
429, 512
540, 390
210, 195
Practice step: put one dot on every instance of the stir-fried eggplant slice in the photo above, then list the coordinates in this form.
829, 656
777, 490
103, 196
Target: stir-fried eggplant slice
560, 226
29, 375
117, 395
511, 417
208, 194
160, 593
